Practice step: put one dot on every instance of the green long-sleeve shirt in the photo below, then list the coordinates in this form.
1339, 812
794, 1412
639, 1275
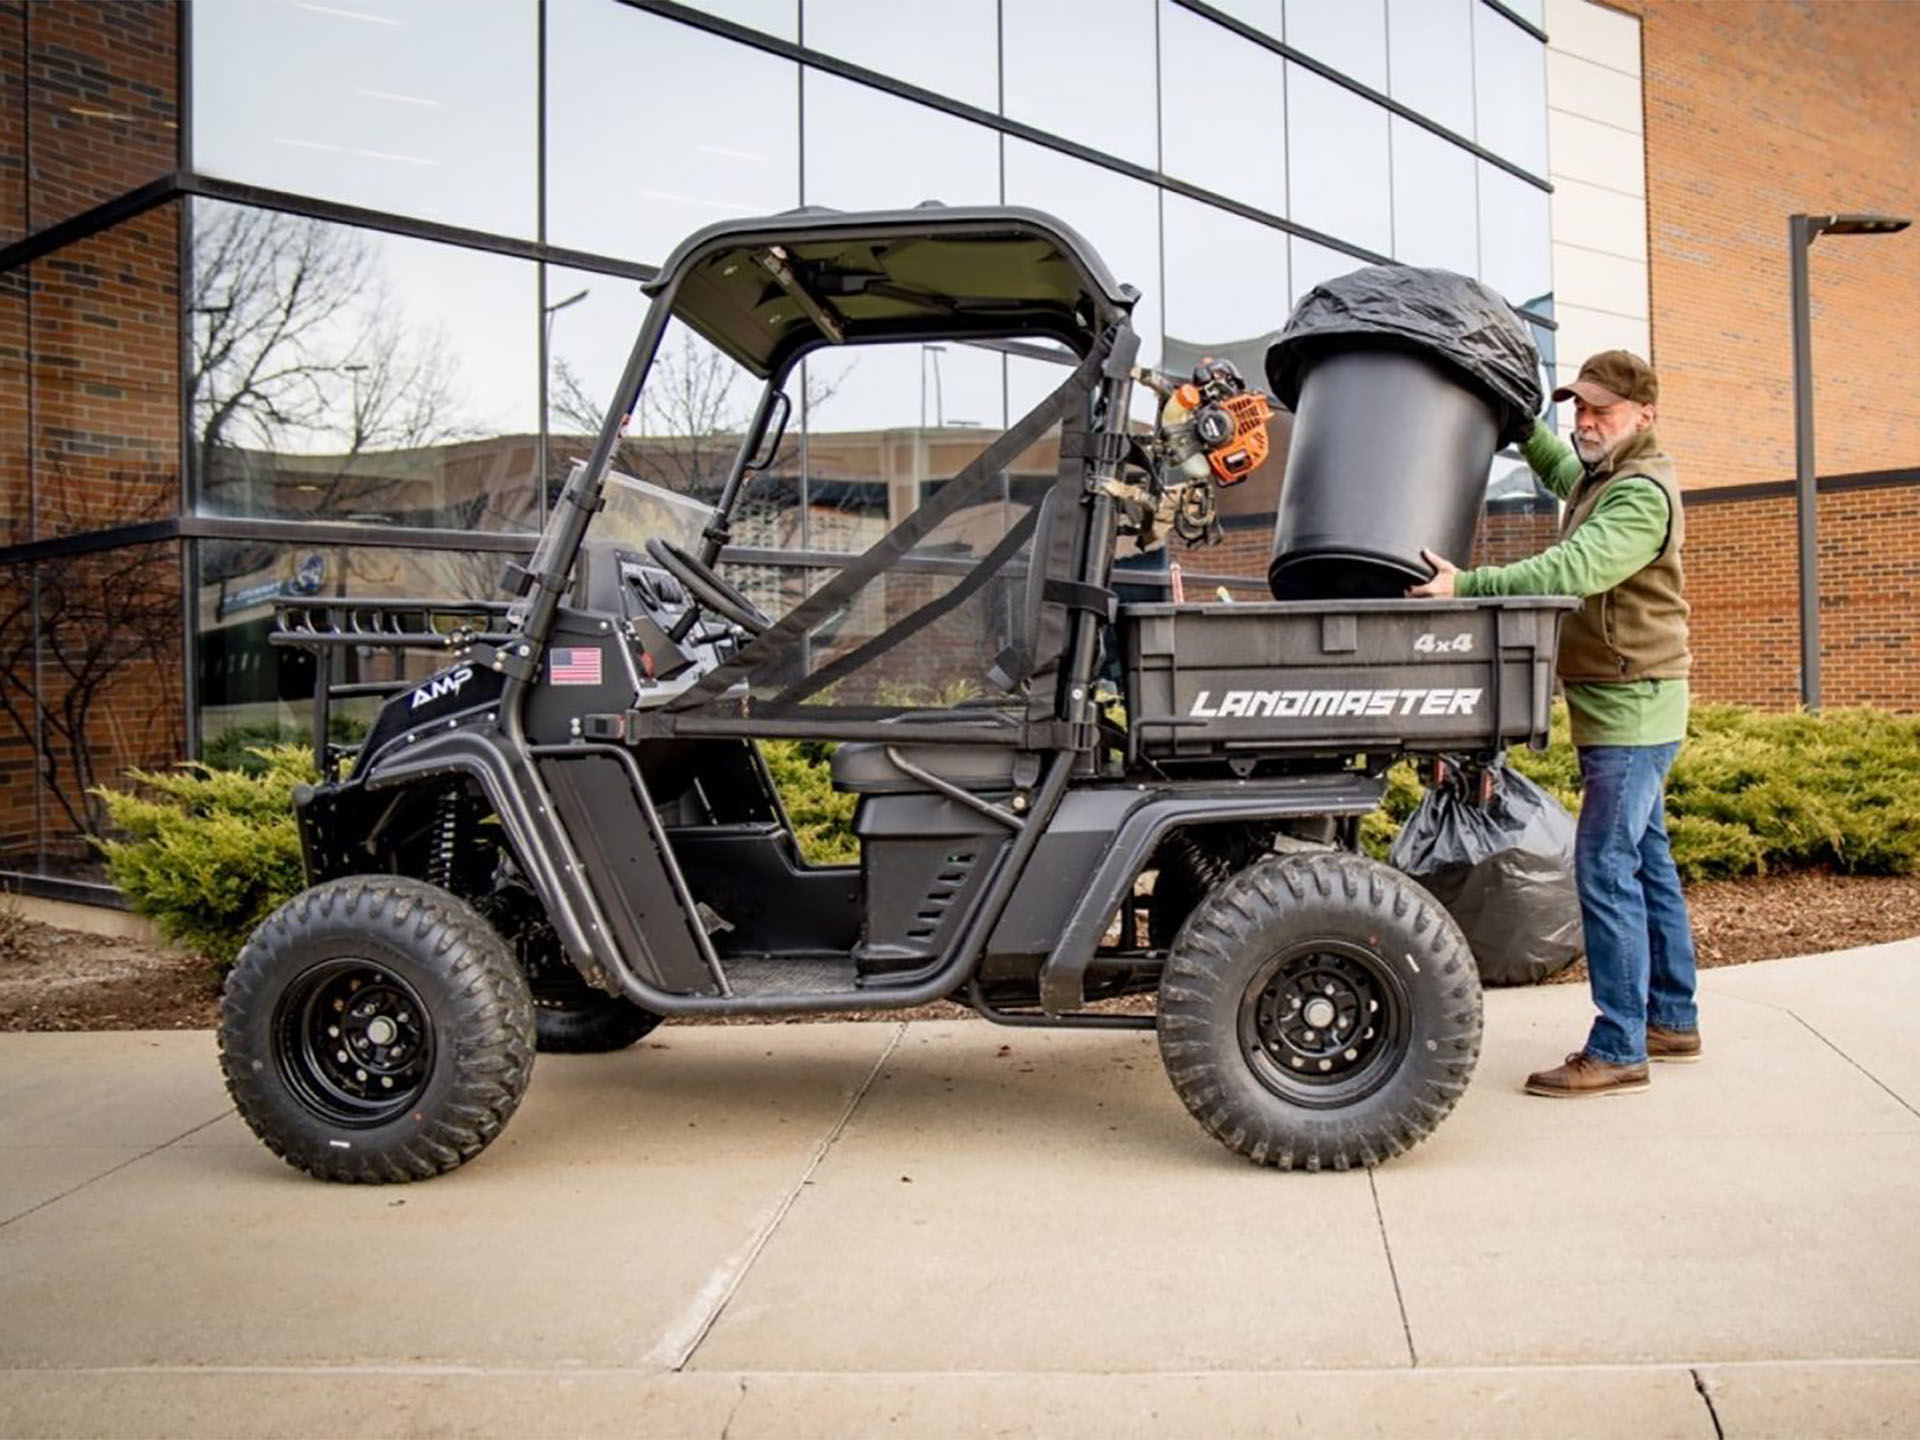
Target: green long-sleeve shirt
1623, 535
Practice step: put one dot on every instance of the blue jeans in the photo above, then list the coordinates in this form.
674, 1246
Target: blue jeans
1640, 958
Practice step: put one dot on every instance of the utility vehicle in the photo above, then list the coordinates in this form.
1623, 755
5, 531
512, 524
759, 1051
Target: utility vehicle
568, 831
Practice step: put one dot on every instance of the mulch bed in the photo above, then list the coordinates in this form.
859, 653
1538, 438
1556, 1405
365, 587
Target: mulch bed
53, 979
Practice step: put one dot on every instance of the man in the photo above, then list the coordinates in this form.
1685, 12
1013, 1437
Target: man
1623, 660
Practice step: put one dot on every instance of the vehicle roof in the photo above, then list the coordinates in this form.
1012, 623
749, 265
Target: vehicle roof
767, 290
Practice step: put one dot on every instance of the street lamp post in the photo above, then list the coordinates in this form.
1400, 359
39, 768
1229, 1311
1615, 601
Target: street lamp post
1802, 231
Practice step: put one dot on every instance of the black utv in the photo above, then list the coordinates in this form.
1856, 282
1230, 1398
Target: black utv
568, 830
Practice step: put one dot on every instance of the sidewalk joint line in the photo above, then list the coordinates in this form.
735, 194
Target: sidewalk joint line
1393, 1273
1898, 1098
1706, 1394
726, 1430
680, 1356
131, 1160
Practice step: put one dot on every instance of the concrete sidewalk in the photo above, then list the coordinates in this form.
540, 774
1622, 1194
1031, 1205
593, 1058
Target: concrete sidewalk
950, 1228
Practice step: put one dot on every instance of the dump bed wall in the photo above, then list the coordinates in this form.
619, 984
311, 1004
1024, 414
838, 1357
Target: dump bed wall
1333, 677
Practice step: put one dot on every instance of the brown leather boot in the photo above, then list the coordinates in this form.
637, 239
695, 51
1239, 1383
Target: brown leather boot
1679, 1047
1583, 1076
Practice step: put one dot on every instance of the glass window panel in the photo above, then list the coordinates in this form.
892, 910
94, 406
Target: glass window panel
950, 47
868, 150
1120, 217
102, 85
1266, 16
1435, 212
1533, 10
1241, 150
1349, 35
592, 320
1516, 247
1236, 320
742, 158
422, 107
1311, 263
346, 374
251, 692
1337, 161
769, 17
1430, 47
105, 371
1104, 96
110, 687
882, 419
1510, 90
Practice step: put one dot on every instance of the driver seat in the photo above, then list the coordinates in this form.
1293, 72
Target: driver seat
864, 768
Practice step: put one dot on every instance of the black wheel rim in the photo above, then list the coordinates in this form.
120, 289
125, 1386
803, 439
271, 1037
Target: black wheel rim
354, 1043
1325, 1023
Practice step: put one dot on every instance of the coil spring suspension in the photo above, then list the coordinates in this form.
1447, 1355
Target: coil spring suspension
446, 840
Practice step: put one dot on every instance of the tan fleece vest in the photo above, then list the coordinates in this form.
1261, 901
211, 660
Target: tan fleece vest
1638, 629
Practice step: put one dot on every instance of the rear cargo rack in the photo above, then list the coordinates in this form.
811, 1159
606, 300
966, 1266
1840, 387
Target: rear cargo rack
328, 628
1231, 683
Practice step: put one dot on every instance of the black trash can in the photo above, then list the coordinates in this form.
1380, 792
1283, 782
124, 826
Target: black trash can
1390, 454
1402, 382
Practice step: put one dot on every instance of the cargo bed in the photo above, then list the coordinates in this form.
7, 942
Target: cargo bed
1333, 678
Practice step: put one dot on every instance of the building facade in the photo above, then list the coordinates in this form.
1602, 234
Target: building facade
324, 299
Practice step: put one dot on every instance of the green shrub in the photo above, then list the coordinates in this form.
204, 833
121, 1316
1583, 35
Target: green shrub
240, 748
209, 853
822, 816
1755, 790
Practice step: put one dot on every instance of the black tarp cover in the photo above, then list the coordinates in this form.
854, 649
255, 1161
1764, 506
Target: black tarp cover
1455, 320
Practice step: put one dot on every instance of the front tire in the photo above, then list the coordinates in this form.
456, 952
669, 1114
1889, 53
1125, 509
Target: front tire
1319, 1012
375, 1029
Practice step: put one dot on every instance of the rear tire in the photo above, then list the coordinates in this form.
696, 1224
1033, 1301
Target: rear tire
1319, 1012
375, 1029
572, 1018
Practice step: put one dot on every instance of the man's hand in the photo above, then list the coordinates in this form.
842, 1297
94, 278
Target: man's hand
1440, 587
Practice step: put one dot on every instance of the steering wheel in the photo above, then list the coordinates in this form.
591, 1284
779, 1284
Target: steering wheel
708, 588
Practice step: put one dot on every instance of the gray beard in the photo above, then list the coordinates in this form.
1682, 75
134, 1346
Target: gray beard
1592, 452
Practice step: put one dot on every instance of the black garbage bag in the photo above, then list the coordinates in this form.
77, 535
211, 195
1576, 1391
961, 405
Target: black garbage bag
1504, 870
1450, 318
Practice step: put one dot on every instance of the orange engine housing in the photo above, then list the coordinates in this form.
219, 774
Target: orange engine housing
1246, 452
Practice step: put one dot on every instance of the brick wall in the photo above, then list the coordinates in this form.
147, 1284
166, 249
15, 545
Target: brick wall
102, 80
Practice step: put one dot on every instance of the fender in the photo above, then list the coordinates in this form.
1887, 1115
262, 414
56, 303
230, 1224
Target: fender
1147, 823
473, 751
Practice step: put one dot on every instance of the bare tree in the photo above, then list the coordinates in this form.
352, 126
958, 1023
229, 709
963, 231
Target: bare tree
106, 666
297, 337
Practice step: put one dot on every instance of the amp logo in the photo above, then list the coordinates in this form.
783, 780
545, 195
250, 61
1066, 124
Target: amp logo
1432, 644
440, 685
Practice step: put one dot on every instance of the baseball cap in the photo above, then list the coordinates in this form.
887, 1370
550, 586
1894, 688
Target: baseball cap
1613, 376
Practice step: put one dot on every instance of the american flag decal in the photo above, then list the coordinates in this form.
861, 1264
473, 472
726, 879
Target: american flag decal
580, 666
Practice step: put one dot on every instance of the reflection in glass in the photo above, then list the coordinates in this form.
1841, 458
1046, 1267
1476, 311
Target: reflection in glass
1435, 215
1349, 35
343, 374
627, 174
1105, 97
16, 481
1510, 90
1311, 263
949, 48
591, 321
1430, 43
884, 423
1337, 161
868, 150
1516, 247
1118, 216
421, 107
1236, 320
103, 432
1245, 101
90, 685
251, 692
